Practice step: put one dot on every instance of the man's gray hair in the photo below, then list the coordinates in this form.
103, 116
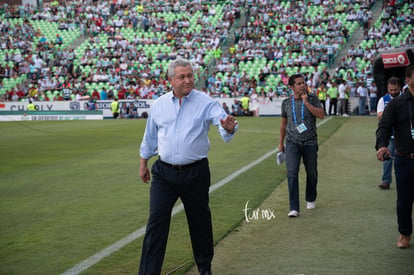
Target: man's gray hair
182, 62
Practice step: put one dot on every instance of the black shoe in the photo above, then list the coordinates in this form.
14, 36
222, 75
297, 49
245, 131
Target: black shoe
384, 186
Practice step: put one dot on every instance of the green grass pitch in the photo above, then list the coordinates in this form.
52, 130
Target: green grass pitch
69, 189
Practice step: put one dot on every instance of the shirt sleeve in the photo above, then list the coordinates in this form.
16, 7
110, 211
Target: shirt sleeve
380, 105
283, 109
315, 101
385, 126
149, 145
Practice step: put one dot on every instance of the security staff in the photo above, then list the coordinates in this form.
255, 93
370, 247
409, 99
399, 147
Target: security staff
115, 108
31, 106
322, 92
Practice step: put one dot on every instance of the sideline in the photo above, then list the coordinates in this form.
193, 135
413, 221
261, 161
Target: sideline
177, 209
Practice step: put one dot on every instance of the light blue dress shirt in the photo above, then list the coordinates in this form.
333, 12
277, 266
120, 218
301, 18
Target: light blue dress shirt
179, 134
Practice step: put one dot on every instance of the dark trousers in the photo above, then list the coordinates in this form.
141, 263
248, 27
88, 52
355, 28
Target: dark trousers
404, 176
191, 185
333, 103
344, 106
323, 102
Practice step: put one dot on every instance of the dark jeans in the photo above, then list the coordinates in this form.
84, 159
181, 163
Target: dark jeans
404, 175
362, 104
387, 164
294, 153
191, 185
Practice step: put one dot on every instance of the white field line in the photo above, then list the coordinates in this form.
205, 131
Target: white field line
177, 209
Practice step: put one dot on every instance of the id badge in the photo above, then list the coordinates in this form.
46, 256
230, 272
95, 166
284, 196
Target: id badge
301, 128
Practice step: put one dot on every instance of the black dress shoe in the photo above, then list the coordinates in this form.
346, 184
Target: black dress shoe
208, 272
384, 186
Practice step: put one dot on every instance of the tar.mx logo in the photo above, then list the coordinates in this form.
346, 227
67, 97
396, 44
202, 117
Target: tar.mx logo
258, 214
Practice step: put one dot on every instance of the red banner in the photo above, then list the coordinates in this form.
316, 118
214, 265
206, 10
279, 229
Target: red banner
392, 60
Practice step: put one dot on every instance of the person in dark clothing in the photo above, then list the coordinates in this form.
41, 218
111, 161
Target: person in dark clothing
398, 118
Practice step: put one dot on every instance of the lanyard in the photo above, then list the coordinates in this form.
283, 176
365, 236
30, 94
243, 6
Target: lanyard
294, 112
411, 114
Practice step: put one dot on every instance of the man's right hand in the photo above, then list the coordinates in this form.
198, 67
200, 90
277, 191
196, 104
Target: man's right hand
281, 147
381, 152
144, 172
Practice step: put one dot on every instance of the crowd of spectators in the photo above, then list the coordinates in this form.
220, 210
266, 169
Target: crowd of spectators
117, 57
291, 36
359, 60
310, 44
112, 56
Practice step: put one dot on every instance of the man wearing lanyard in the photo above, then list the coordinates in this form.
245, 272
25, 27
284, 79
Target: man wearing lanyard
177, 131
398, 118
298, 125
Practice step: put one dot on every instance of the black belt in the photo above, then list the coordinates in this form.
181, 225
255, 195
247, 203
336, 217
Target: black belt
180, 167
410, 155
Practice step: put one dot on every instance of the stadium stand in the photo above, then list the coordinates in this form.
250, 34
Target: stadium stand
91, 48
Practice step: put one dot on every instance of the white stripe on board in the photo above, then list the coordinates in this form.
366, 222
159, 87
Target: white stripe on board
177, 209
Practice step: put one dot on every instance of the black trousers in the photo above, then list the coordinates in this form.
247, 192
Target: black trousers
333, 103
323, 102
404, 175
190, 184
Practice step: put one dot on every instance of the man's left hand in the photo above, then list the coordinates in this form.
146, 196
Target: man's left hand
229, 123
